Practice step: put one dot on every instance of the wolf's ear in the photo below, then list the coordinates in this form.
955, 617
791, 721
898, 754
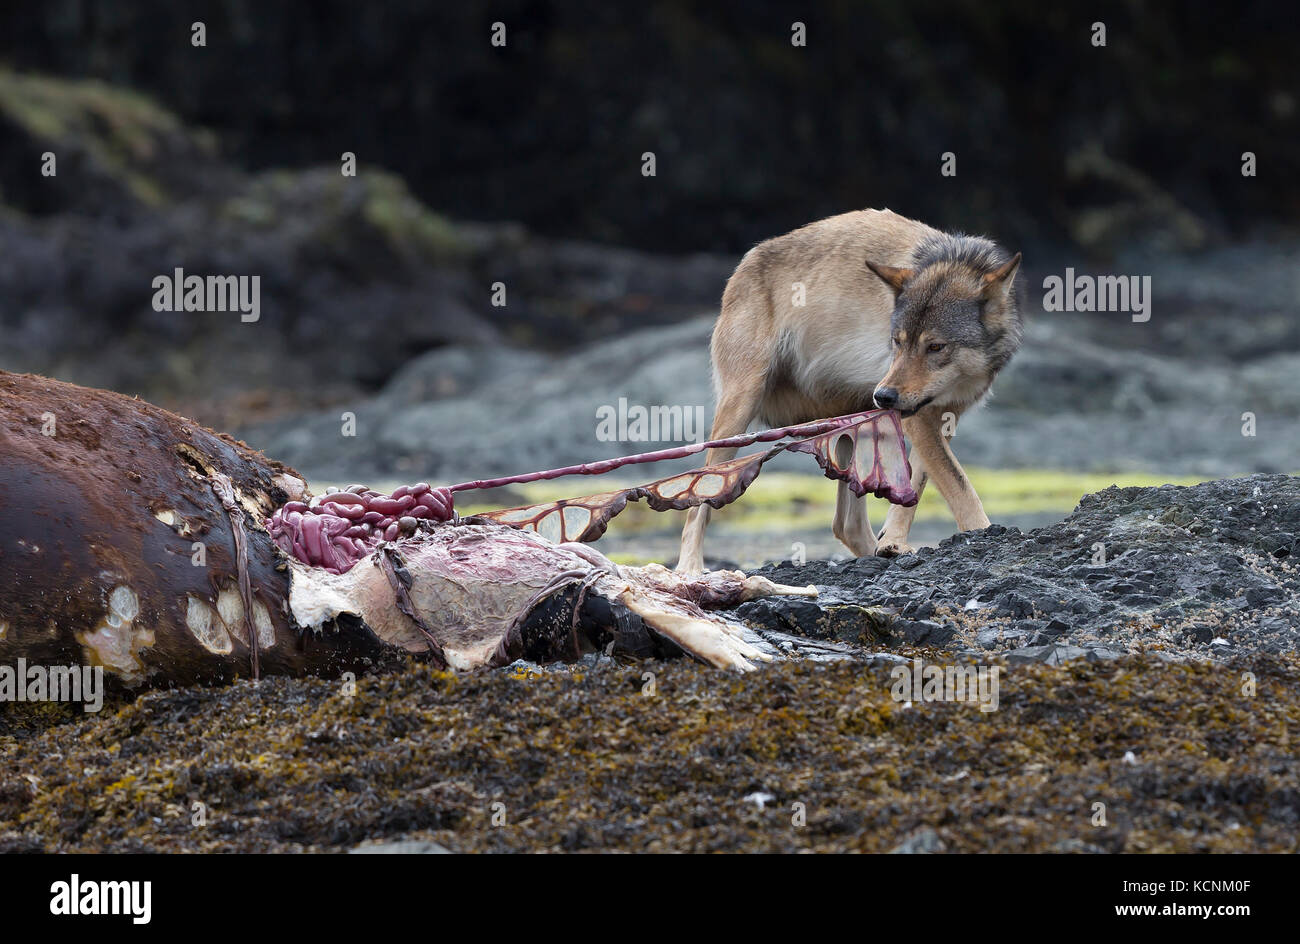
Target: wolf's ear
998, 282
891, 276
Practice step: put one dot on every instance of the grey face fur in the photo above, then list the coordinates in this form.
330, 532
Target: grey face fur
956, 323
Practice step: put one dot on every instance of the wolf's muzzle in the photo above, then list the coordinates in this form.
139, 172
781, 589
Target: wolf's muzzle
886, 397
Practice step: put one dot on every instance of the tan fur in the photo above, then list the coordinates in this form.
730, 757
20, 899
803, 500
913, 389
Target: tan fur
782, 363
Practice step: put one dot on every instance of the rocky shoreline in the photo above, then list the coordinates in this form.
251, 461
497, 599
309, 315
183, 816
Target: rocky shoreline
1163, 685
1186, 572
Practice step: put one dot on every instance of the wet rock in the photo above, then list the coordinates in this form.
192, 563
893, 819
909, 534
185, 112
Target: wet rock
1099, 653
887, 660
1047, 655
790, 646
922, 842
858, 625
1041, 597
1056, 628
923, 632
920, 610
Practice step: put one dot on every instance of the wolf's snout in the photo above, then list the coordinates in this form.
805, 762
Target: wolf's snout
886, 398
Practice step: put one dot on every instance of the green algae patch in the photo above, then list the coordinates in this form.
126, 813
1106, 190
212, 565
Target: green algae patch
779, 502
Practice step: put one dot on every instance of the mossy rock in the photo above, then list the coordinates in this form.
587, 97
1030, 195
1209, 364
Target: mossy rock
344, 210
122, 151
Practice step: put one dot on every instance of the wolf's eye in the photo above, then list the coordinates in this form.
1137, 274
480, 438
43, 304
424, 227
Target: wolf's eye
935, 347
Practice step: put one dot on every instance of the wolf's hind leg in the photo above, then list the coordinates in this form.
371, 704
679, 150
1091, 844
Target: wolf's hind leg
735, 412
852, 525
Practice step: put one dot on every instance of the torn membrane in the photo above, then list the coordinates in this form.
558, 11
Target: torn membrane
875, 462
867, 452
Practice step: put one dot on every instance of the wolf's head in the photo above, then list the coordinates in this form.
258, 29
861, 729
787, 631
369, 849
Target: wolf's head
956, 323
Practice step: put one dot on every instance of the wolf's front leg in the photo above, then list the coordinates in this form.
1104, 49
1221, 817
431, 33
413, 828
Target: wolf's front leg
930, 447
931, 457
898, 520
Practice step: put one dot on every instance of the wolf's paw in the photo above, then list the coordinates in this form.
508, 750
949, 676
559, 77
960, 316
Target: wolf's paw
893, 547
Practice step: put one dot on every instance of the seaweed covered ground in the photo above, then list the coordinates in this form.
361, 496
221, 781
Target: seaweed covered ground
1148, 699
1183, 757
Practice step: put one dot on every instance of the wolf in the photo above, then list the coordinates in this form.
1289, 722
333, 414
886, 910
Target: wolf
860, 311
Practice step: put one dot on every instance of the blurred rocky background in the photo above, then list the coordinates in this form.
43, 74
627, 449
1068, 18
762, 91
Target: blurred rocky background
522, 165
